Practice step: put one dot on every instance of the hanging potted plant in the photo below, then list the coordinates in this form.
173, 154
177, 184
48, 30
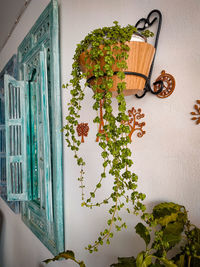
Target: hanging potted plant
105, 59
134, 58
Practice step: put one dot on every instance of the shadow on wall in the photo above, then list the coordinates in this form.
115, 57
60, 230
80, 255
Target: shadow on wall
1, 239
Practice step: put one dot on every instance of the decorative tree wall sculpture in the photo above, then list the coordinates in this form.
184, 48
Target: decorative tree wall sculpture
82, 130
133, 123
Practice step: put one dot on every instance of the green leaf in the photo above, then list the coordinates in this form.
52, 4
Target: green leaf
172, 233
139, 260
82, 264
147, 261
69, 254
167, 263
196, 234
98, 185
143, 232
125, 262
167, 212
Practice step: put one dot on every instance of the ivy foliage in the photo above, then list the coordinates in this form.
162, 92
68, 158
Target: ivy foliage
163, 230
110, 45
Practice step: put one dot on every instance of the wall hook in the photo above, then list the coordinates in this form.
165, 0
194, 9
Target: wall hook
154, 15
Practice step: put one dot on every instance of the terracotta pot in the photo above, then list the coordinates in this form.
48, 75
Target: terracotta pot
140, 58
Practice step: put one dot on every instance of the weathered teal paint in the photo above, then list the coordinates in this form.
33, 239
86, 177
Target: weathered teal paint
11, 69
39, 67
40, 50
46, 139
18, 186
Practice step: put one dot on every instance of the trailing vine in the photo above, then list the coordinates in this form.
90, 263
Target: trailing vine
109, 43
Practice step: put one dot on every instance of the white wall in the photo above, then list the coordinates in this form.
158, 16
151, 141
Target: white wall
166, 158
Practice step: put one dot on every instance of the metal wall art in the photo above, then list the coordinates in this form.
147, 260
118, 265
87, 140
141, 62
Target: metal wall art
133, 123
196, 114
168, 85
82, 130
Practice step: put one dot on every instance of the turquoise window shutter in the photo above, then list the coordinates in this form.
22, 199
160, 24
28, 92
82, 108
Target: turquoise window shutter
33, 131
18, 183
11, 69
2, 147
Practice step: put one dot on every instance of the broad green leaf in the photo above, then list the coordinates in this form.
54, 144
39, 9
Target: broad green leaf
167, 212
69, 254
172, 233
168, 263
179, 260
139, 259
147, 261
143, 232
125, 262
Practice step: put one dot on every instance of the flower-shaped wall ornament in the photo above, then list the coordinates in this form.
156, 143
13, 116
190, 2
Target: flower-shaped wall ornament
196, 113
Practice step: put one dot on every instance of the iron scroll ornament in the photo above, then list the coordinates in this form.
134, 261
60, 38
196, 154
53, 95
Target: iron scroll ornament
154, 15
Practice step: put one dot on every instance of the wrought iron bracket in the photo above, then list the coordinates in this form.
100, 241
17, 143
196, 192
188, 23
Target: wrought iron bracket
143, 24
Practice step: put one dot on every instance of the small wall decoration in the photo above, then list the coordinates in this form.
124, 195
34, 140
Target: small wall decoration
133, 123
196, 113
82, 130
168, 85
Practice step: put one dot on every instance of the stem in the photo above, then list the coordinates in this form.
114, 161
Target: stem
97, 204
189, 260
107, 235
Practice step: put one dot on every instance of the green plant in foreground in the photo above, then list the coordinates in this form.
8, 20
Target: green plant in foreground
110, 43
166, 229
67, 255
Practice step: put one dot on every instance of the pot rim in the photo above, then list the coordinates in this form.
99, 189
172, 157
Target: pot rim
140, 35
